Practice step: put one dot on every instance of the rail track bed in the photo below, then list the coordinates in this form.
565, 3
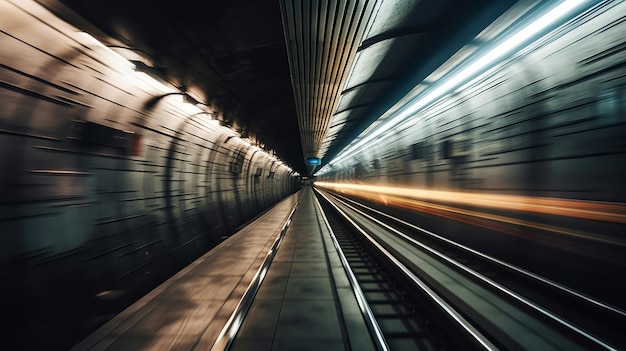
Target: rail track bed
429, 293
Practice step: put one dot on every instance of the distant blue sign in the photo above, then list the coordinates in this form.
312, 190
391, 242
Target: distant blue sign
313, 161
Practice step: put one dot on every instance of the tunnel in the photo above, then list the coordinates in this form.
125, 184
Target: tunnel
305, 175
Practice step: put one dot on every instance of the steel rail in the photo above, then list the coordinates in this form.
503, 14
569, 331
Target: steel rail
366, 311
488, 281
466, 326
507, 265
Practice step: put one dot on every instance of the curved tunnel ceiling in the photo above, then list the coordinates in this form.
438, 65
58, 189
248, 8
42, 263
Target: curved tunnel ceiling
230, 54
405, 42
235, 56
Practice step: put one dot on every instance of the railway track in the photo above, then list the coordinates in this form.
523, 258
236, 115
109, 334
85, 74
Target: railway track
397, 312
450, 292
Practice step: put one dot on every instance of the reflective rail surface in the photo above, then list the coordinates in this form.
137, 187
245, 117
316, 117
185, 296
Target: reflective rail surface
366, 310
462, 324
618, 312
519, 322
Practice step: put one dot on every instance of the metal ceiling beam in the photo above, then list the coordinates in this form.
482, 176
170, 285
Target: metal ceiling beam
322, 39
400, 32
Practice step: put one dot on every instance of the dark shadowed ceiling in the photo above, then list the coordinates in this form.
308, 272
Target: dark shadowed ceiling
233, 52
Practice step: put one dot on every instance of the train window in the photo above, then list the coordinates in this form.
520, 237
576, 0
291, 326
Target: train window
446, 149
611, 105
621, 103
418, 150
92, 133
457, 147
236, 165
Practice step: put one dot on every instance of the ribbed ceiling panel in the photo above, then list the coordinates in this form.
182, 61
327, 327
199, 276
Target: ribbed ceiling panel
322, 39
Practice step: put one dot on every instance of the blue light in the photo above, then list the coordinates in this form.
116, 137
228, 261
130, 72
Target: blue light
313, 161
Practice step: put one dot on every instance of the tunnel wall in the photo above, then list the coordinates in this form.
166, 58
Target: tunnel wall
549, 121
107, 186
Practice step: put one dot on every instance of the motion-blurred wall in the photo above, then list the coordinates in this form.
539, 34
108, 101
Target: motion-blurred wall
109, 182
549, 121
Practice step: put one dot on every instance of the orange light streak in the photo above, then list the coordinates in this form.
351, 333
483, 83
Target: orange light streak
599, 211
413, 199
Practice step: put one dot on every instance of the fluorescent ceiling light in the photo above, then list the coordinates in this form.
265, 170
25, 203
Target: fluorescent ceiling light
148, 80
119, 62
461, 75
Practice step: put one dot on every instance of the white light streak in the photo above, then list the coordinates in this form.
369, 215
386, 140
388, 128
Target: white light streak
153, 83
117, 61
462, 75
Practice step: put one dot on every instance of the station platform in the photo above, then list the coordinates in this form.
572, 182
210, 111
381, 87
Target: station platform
283, 262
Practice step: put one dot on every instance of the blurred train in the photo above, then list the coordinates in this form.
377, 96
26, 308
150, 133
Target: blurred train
526, 162
550, 121
109, 181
